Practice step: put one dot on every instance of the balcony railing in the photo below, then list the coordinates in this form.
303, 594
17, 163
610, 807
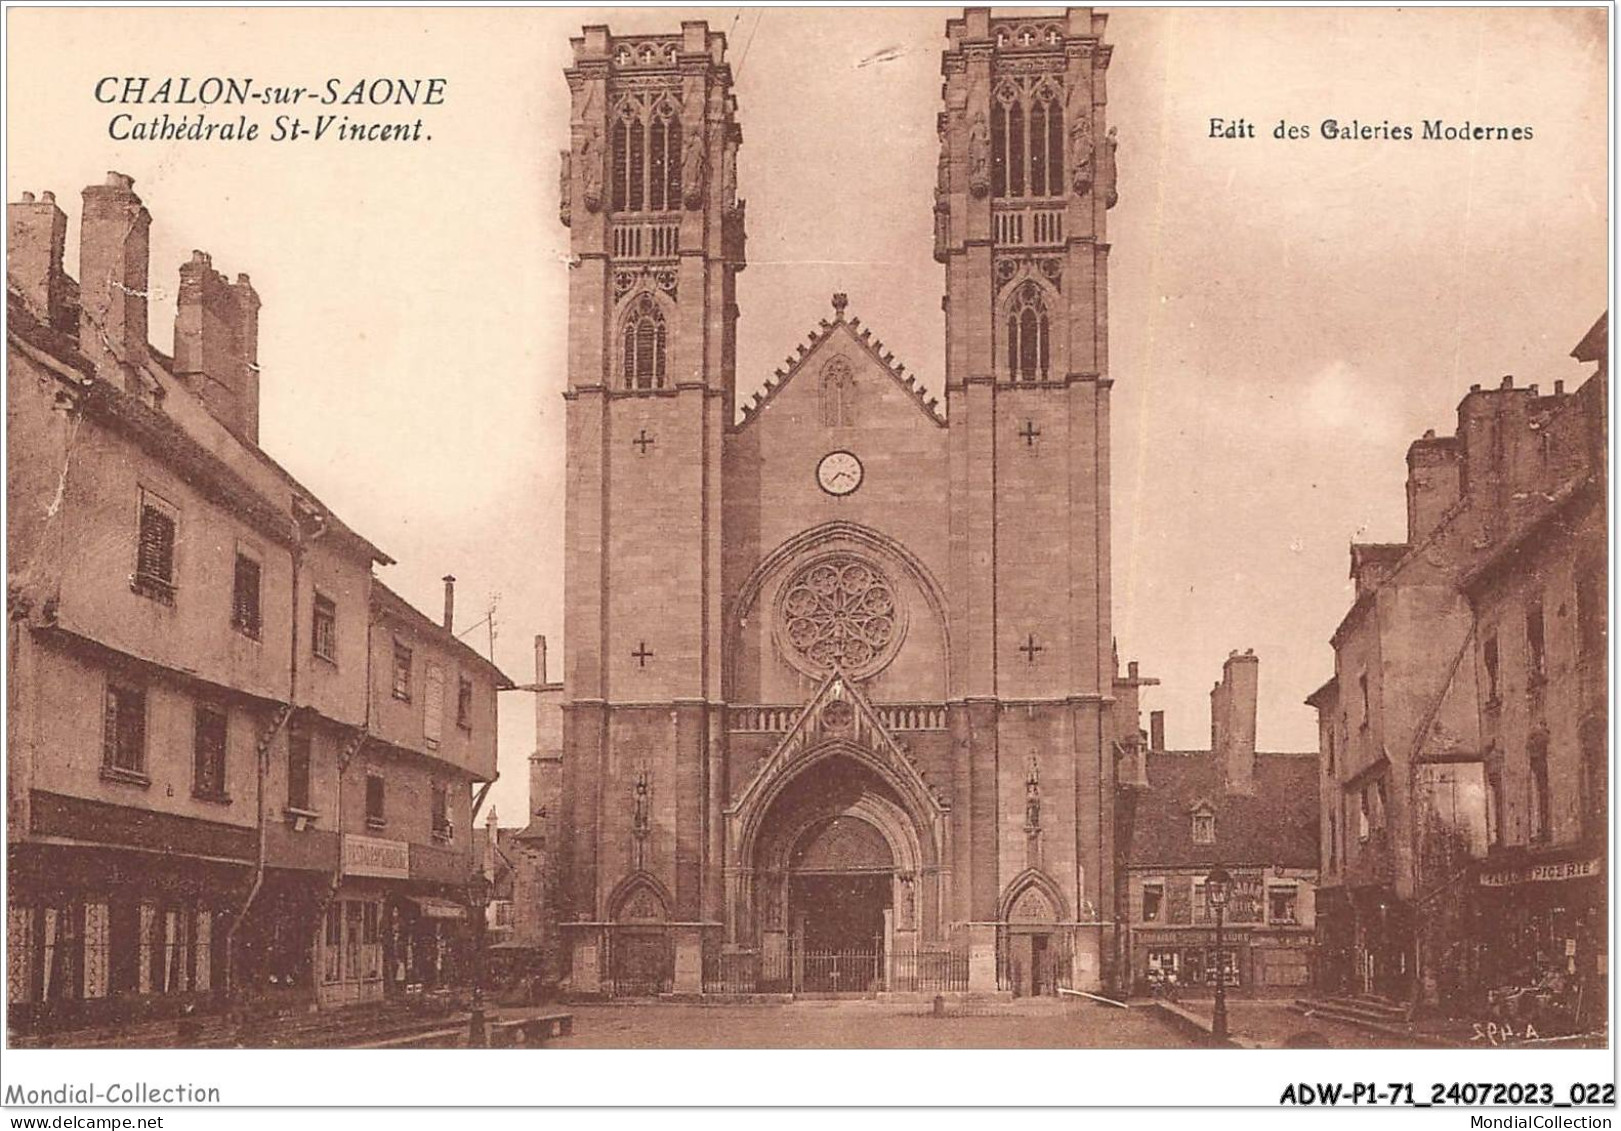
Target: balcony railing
646, 239
1027, 226
775, 719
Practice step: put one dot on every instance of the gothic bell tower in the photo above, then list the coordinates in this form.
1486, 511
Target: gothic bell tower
1026, 179
649, 195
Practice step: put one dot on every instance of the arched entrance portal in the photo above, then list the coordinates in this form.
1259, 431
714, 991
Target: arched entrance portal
836, 866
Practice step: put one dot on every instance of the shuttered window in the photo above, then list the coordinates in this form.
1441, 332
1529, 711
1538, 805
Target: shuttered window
124, 730
246, 617
154, 551
209, 752
433, 706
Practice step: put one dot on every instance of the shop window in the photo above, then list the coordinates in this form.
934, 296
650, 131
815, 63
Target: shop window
208, 753
298, 771
375, 816
332, 936
1536, 642
324, 629
1153, 901
353, 920
1541, 795
1226, 961
124, 733
246, 616
124, 947
1282, 902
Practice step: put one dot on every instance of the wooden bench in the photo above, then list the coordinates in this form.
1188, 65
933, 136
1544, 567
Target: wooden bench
530, 1031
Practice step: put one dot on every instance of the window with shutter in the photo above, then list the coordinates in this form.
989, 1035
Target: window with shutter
433, 706
298, 772
245, 614
124, 734
374, 802
324, 634
464, 703
209, 753
155, 549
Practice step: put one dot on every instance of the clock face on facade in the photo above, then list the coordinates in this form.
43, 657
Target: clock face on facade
839, 473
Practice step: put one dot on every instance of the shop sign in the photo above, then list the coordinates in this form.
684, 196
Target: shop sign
1542, 873
370, 856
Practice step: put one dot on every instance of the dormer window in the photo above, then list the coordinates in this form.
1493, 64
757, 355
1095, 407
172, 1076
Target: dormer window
1204, 825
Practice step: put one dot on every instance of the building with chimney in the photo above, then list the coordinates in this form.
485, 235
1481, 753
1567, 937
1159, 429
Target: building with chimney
1182, 812
837, 675
1464, 749
193, 673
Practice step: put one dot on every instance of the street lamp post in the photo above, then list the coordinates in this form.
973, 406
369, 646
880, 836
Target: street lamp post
1218, 884
478, 898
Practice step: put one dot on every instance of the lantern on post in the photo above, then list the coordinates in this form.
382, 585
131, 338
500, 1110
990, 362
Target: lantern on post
1218, 887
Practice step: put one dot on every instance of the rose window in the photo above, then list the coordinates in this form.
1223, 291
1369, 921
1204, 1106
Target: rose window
840, 612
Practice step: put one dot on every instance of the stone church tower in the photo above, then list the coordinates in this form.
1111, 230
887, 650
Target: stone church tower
838, 675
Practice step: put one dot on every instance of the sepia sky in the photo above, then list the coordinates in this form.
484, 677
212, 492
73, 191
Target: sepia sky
1286, 315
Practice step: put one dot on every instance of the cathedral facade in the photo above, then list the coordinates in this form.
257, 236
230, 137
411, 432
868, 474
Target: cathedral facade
839, 694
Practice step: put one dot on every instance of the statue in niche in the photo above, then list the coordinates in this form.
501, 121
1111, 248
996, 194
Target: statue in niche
907, 917
588, 128
728, 180
1106, 172
639, 818
979, 155
942, 190
565, 186
1032, 798
1081, 145
692, 167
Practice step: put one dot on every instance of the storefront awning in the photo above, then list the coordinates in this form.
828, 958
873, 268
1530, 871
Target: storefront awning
439, 908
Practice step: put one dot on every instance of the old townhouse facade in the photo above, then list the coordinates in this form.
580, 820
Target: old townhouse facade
1463, 736
189, 640
1183, 812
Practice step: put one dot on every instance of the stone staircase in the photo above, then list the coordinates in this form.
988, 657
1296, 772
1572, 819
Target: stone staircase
1379, 1015
1370, 1008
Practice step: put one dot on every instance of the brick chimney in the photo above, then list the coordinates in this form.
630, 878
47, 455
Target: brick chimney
1156, 730
540, 659
36, 233
450, 602
1434, 482
114, 242
1232, 720
216, 343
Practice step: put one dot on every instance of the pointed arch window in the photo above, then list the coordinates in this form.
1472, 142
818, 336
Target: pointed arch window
1027, 141
838, 394
1029, 346
646, 144
644, 346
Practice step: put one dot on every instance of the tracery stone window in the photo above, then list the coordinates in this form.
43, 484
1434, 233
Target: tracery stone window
644, 346
840, 611
646, 144
838, 394
1027, 140
1029, 337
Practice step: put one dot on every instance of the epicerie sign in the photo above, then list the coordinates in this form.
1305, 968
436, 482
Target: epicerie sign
369, 856
1542, 873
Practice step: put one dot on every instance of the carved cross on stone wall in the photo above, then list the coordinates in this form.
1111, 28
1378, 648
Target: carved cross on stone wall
1030, 648
1030, 433
643, 442
641, 655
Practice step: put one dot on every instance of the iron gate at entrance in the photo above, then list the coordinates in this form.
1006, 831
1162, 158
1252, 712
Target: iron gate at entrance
857, 971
